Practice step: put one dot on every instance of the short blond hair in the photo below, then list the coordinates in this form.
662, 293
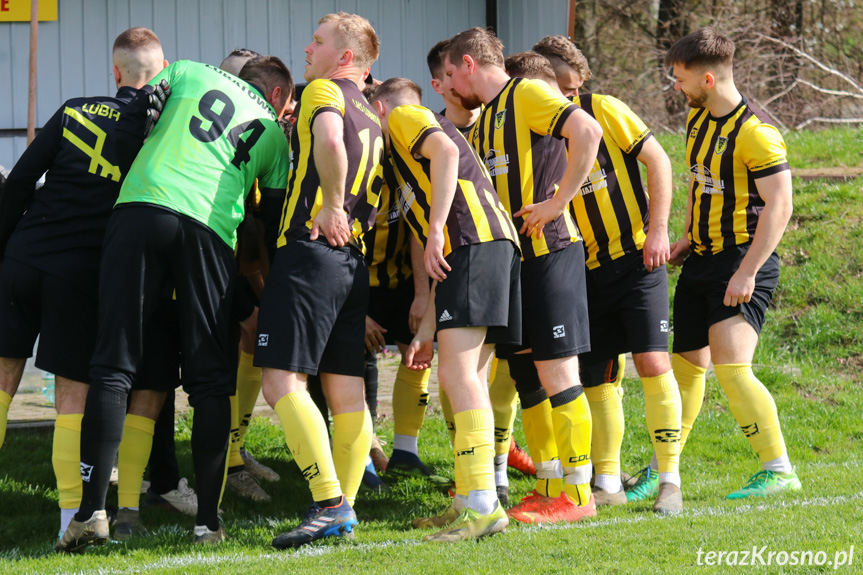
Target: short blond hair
480, 44
357, 35
560, 51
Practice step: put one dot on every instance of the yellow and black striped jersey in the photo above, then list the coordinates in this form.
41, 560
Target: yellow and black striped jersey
726, 155
388, 254
476, 215
518, 137
611, 208
364, 145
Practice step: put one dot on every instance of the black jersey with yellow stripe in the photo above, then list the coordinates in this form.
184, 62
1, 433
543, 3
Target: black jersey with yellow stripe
387, 247
476, 215
726, 156
611, 208
364, 146
518, 137
62, 230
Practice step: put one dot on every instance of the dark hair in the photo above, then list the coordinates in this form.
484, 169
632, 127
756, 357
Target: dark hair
268, 72
478, 43
435, 59
397, 86
704, 48
561, 51
242, 53
530, 65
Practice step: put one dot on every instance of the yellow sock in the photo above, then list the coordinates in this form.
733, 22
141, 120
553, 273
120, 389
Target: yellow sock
539, 433
662, 407
66, 458
410, 400
504, 402
446, 408
352, 439
753, 408
474, 448
132, 458
5, 402
234, 457
248, 389
691, 382
606, 413
307, 439
570, 414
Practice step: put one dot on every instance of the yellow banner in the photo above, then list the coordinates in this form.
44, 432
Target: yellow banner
19, 10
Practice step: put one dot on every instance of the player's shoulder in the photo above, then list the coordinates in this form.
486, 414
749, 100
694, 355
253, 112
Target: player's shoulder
757, 127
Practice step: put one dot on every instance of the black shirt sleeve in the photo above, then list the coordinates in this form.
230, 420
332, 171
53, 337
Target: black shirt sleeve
17, 192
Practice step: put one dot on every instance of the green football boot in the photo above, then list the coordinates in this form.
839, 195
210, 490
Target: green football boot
646, 486
766, 483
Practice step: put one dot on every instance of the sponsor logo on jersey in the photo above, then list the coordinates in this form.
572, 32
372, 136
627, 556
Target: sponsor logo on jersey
393, 214
721, 144
558, 331
496, 162
445, 316
86, 471
710, 183
750, 430
595, 181
499, 119
406, 197
667, 435
263, 339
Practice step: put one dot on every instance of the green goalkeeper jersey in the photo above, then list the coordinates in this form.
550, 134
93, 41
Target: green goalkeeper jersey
216, 135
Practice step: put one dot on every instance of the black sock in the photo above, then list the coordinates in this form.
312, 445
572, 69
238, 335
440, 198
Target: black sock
211, 428
164, 471
101, 432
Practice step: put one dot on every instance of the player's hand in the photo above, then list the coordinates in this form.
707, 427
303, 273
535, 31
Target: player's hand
656, 249
679, 250
333, 224
433, 256
418, 310
420, 352
374, 336
537, 215
155, 105
741, 286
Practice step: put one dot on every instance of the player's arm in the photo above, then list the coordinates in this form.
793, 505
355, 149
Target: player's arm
584, 134
681, 248
775, 190
420, 352
421, 285
656, 247
443, 156
17, 193
331, 161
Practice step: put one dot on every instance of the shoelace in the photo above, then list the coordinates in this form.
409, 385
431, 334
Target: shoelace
754, 479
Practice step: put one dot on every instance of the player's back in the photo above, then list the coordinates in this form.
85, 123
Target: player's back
63, 228
216, 135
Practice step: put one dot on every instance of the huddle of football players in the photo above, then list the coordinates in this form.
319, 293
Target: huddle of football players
181, 238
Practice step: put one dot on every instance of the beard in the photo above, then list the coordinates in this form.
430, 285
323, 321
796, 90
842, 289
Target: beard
467, 102
696, 100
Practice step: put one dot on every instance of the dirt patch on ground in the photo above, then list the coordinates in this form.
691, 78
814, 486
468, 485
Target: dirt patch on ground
837, 174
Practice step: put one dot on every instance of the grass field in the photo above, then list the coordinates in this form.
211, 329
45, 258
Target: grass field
810, 357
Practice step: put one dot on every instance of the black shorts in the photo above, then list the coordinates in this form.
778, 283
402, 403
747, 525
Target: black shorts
628, 308
482, 290
701, 290
34, 303
245, 300
391, 308
147, 247
554, 304
163, 344
313, 310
